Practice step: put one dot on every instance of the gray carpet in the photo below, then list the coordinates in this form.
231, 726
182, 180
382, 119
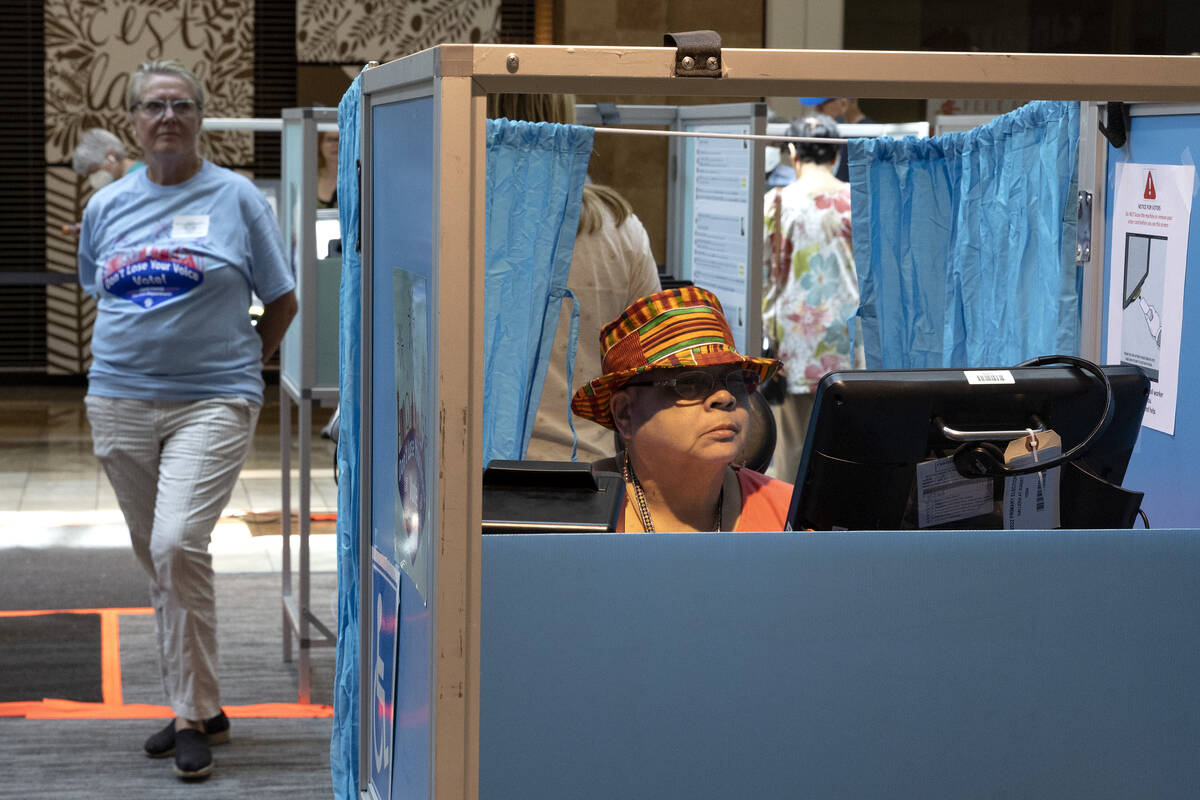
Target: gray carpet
71, 577
250, 641
102, 759
266, 757
58, 655
51, 655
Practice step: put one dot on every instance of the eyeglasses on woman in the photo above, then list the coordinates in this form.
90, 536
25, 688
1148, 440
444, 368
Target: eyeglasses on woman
698, 384
156, 107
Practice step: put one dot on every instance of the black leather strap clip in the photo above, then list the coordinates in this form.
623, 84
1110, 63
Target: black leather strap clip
697, 53
1117, 130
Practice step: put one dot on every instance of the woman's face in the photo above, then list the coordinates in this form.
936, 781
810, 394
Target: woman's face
661, 426
329, 146
174, 132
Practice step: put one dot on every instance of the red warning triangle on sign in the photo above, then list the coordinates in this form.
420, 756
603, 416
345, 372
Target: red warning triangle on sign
1149, 194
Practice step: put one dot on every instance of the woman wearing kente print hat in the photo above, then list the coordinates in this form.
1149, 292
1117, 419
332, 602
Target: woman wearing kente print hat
676, 391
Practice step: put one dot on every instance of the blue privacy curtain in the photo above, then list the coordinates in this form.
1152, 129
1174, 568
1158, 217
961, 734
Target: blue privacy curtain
535, 177
965, 243
343, 749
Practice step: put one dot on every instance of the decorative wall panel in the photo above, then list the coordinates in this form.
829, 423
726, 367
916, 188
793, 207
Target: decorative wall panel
92, 46
69, 312
334, 31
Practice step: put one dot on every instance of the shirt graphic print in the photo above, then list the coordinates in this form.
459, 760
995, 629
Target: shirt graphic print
151, 276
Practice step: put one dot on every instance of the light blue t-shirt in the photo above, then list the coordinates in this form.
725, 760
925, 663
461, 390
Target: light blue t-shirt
173, 268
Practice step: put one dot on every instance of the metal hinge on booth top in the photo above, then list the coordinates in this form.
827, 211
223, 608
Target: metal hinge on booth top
1083, 229
697, 53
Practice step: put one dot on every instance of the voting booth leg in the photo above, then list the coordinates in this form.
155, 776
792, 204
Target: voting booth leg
298, 618
304, 668
285, 521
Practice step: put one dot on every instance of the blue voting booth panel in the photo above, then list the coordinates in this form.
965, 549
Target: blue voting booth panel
1164, 466
404, 432
850, 665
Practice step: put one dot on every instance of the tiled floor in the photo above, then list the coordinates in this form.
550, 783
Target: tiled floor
52, 489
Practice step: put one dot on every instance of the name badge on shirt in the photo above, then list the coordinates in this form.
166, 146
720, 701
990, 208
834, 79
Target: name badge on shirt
189, 226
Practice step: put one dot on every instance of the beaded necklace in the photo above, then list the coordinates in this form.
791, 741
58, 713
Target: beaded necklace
640, 496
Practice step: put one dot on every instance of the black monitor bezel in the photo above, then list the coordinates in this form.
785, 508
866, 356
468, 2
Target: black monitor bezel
869, 429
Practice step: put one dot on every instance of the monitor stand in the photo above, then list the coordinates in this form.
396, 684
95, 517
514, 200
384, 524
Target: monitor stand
1090, 502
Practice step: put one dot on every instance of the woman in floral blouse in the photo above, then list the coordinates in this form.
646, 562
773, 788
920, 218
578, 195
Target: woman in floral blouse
810, 288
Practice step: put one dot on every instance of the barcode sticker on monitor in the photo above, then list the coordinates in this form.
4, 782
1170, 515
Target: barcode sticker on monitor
981, 377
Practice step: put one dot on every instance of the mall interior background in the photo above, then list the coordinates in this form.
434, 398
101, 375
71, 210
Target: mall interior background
66, 63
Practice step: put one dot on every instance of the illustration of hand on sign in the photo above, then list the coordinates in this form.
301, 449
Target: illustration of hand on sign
1153, 320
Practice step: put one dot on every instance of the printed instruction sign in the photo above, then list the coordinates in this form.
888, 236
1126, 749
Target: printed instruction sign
1152, 208
719, 223
944, 496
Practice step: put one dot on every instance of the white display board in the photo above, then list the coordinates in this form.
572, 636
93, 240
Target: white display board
308, 354
716, 221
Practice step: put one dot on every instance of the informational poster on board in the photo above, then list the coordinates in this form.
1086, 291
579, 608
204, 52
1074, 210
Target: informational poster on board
413, 418
720, 227
1152, 207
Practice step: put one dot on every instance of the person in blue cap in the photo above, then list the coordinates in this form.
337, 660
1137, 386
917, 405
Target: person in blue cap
829, 106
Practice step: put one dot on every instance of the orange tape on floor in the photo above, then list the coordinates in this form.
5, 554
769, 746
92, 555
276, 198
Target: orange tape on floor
40, 612
53, 708
112, 706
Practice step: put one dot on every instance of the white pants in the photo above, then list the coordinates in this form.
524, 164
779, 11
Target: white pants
791, 428
173, 466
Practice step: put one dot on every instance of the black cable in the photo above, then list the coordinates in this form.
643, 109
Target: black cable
1080, 449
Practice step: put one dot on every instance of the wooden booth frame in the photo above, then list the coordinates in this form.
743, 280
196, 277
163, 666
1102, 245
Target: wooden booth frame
458, 78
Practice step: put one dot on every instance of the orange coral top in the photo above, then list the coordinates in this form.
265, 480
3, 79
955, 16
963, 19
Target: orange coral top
764, 505
765, 502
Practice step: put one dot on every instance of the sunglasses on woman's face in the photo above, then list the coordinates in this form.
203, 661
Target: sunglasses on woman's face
698, 384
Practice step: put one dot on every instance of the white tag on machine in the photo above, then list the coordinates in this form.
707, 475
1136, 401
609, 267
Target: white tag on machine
1031, 501
945, 496
985, 377
189, 226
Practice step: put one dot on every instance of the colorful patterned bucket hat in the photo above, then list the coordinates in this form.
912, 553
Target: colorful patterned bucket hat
682, 327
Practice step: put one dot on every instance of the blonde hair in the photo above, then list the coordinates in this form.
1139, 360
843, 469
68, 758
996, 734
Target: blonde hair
164, 66
598, 199
558, 108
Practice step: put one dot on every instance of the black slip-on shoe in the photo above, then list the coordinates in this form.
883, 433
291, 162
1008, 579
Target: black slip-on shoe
162, 744
193, 759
